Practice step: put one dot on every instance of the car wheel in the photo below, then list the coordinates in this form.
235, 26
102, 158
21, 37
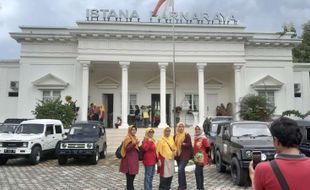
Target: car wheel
62, 160
212, 154
104, 151
219, 163
238, 174
35, 155
94, 158
3, 161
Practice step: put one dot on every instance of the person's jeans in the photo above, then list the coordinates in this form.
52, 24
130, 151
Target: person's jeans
165, 183
181, 174
199, 176
129, 180
148, 177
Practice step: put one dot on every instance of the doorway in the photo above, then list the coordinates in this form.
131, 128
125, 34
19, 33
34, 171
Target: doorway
212, 103
108, 100
155, 104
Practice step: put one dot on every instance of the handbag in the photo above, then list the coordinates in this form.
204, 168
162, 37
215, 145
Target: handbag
141, 153
118, 151
279, 175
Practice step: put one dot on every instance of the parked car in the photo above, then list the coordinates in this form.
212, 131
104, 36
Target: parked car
10, 125
84, 140
210, 131
235, 143
31, 139
305, 144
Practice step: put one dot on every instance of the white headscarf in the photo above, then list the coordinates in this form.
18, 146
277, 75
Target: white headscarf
201, 134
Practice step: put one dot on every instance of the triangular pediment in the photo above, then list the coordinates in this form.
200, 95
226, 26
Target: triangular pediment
267, 83
108, 83
213, 83
50, 81
154, 83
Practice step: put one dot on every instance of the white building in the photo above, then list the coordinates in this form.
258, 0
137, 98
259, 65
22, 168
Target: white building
119, 64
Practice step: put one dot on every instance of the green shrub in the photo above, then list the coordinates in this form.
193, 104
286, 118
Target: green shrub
255, 108
55, 109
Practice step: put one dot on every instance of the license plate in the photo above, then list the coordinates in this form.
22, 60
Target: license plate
9, 151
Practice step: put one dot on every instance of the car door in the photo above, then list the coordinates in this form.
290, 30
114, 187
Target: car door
49, 137
58, 133
226, 143
101, 139
219, 140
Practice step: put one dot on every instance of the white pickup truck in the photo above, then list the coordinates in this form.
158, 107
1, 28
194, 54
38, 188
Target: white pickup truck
31, 139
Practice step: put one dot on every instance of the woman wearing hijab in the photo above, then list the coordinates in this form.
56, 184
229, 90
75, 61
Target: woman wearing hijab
184, 153
165, 149
130, 161
149, 158
201, 147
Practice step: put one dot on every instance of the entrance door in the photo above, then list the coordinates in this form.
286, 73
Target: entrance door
212, 103
155, 119
108, 100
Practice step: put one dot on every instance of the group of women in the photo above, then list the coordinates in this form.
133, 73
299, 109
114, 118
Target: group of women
163, 153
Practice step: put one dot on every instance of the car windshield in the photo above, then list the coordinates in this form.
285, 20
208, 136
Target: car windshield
30, 129
85, 129
7, 128
251, 129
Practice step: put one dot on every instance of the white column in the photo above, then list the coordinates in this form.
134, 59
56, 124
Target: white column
163, 122
289, 86
237, 68
124, 66
85, 88
305, 93
201, 92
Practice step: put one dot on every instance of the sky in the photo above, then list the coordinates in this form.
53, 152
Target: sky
255, 15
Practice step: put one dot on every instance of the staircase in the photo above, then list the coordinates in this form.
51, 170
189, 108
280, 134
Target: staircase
116, 136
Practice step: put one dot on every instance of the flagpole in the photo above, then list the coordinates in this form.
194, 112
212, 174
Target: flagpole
173, 68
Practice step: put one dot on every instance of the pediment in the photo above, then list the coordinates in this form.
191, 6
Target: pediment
267, 83
50, 81
107, 83
213, 83
154, 83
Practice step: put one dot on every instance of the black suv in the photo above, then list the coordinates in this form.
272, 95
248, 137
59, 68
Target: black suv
235, 143
84, 140
305, 144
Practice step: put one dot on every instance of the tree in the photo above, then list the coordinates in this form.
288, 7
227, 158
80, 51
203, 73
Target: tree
255, 108
55, 109
301, 53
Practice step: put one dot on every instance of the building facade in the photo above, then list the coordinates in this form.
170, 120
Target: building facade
123, 64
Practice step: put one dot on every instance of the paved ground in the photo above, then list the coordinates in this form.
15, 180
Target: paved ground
19, 174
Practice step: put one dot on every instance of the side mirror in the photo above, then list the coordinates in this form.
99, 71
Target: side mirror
66, 133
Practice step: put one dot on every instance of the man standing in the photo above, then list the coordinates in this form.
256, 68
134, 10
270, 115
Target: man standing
295, 167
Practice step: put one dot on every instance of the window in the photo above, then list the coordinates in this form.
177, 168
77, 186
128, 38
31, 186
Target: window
193, 101
58, 129
51, 94
297, 90
13, 94
132, 103
49, 129
269, 95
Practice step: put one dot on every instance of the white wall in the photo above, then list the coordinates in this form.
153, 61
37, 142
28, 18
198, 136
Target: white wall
9, 71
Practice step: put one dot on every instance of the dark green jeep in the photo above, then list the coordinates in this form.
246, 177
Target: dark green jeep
235, 142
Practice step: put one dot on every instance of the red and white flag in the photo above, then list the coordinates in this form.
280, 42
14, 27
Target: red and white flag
163, 6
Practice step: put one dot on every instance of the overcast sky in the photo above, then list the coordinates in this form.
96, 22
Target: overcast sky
256, 15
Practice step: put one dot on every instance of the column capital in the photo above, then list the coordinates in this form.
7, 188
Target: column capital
124, 64
85, 63
163, 65
238, 66
201, 66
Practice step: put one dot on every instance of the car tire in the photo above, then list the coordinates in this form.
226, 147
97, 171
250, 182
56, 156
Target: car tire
3, 161
238, 174
62, 160
95, 157
35, 155
103, 153
219, 162
212, 154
